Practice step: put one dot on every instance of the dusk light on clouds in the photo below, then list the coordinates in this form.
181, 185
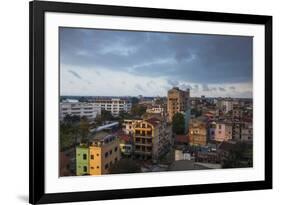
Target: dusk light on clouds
130, 63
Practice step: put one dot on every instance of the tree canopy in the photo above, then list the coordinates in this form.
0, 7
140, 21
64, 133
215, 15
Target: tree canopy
178, 123
138, 110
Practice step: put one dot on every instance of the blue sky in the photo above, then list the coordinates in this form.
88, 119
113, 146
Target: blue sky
131, 63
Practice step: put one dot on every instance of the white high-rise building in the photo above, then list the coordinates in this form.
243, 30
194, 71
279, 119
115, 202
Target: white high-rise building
81, 109
114, 105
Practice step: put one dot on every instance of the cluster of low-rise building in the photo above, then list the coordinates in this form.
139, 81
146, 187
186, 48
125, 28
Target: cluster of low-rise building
209, 124
224, 121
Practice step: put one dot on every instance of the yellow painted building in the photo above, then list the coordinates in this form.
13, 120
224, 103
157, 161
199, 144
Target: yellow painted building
103, 153
178, 102
197, 132
151, 137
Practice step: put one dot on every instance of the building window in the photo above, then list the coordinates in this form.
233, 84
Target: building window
115, 149
219, 126
106, 154
98, 155
98, 167
115, 159
110, 152
92, 167
85, 169
92, 156
106, 166
84, 156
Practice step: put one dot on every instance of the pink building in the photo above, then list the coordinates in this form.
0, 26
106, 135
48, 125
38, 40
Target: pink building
223, 131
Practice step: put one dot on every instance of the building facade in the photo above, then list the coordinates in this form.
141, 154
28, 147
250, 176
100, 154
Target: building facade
247, 131
89, 110
113, 105
225, 105
223, 131
236, 130
152, 138
178, 102
82, 160
197, 132
128, 126
104, 152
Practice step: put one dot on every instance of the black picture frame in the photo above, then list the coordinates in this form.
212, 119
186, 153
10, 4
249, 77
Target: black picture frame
37, 10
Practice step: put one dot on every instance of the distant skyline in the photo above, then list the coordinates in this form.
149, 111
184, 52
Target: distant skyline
130, 63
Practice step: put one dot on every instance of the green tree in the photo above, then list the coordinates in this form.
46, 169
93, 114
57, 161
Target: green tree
134, 100
178, 123
84, 126
83, 99
71, 119
241, 155
138, 110
104, 116
69, 134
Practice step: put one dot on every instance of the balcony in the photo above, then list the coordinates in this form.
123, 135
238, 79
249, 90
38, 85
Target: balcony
143, 144
143, 152
143, 137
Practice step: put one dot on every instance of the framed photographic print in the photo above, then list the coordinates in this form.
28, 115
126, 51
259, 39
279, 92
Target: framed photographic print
130, 102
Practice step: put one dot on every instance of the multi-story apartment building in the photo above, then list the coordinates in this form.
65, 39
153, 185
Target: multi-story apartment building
247, 131
198, 132
103, 153
89, 110
113, 105
99, 156
152, 138
212, 130
223, 131
178, 102
82, 160
237, 113
236, 129
225, 105
128, 126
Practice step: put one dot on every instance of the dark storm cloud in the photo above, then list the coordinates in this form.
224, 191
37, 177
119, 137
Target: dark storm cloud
197, 58
75, 74
173, 83
232, 88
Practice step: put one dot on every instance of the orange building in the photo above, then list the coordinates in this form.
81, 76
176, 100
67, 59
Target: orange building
197, 132
178, 101
103, 153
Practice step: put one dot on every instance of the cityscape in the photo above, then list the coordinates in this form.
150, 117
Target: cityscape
118, 121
